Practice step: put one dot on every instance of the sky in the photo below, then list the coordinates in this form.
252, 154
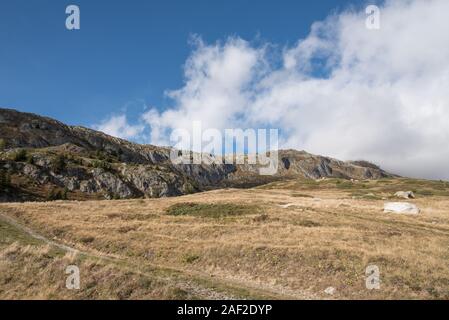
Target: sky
141, 69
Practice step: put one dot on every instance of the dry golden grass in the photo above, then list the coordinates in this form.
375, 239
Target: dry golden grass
295, 239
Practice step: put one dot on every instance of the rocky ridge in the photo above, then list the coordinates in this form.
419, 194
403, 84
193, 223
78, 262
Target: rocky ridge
44, 159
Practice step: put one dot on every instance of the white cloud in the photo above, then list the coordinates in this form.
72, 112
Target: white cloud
118, 126
343, 91
216, 89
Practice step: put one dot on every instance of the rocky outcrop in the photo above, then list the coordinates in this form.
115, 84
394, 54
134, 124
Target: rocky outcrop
43, 154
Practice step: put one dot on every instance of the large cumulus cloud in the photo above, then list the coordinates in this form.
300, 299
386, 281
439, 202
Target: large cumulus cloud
343, 91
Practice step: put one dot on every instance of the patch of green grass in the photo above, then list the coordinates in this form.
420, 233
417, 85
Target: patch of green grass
425, 192
384, 181
366, 196
213, 210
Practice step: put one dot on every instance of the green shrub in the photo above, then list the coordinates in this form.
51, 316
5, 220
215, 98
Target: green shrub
57, 195
301, 195
101, 164
64, 193
20, 155
30, 159
87, 239
190, 258
101, 155
5, 179
59, 163
2, 144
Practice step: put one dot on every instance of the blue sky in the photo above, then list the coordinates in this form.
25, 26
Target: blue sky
312, 69
127, 53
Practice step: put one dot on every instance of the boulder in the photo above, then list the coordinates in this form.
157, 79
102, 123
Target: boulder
285, 206
404, 195
401, 207
330, 290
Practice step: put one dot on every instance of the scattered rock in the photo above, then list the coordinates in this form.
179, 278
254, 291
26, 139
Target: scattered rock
330, 290
401, 207
404, 195
285, 206
149, 255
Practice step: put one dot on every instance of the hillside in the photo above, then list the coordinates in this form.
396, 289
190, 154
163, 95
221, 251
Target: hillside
44, 159
284, 240
317, 224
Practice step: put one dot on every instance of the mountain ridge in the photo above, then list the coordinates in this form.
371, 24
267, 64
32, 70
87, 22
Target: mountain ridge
45, 159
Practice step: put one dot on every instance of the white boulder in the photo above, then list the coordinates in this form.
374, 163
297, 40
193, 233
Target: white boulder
404, 195
401, 207
330, 290
285, 206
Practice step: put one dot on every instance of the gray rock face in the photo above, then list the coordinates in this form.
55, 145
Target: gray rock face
110, 183
89, 162
88, 186
153, 182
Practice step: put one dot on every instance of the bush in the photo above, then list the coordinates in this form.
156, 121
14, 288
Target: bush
64, 193
20, 155
190, 258
87, 239
2, 144
101, 164
5, 179
57, 195
30, 159
59, 163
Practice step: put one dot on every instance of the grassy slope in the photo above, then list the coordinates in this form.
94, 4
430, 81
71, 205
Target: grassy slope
32, 269
292, 240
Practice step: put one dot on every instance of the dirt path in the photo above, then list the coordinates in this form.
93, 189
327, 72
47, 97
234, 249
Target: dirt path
33, 234
190, 283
